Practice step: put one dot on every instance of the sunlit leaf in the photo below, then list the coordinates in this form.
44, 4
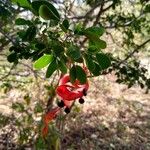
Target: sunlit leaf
43, 61
23, 3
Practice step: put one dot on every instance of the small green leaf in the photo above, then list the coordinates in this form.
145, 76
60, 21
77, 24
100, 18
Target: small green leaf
12, 57
89, 62
74, 52
21, 21
97, 43
93, 34
51, 68
40, 143
96, 31
93, 49
21, 34
80, 60
23, 3
103, 60
57, 47
65, 25
79, 30
147, 8
30, 34
4, 12
46, 13
81, 75
45, 10
43, 61
72, 74
97, 70
62, 66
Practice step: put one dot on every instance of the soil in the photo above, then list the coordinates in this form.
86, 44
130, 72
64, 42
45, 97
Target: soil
113, 117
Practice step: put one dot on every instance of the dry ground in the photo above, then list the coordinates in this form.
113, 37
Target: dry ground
113, 117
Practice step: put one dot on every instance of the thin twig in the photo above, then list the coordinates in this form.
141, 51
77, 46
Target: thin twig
134, 51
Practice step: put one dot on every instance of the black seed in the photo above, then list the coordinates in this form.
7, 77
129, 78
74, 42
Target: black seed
84, 92
81, 100
64, 141
67, 110
61, 104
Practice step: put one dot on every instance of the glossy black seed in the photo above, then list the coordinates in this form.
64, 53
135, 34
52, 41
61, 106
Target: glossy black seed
84, 92
81, 100
61, 104
64, 141
67, 110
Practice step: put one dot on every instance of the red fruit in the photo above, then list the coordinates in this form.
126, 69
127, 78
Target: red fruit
68, 91
51, 115
45, 131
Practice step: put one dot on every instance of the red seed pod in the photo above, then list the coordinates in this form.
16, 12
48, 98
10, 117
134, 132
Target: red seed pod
45, 131
47, 118
51, 115
70, 92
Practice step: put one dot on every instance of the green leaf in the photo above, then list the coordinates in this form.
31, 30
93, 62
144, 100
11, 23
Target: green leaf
30, 34
97, 70
96, 31
79, 30
49, 11
97, 43
65, 25
40, 143
4, 12
51, 68
92, 49
81, 75
23, 3
93, 33
43, 61
57, 47
62, 67
21, 21
147, 8
12, 57
72, 74
89, 62
74, 52
80, 60
21, 34
103, 60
